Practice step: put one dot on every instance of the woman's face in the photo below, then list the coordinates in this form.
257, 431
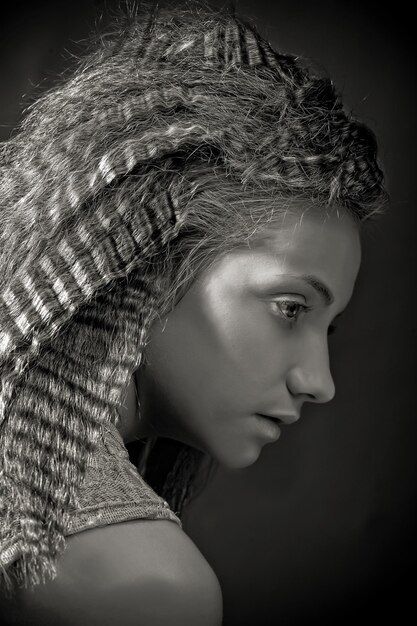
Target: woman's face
250, 337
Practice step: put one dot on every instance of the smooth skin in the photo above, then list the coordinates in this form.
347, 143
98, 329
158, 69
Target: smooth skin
137, 573
249, 336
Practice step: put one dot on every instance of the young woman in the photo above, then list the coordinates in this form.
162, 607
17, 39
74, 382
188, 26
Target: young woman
181, 229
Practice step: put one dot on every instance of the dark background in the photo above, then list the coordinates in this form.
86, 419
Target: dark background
321, 528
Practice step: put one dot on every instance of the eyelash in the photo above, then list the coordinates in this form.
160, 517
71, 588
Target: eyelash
304, 308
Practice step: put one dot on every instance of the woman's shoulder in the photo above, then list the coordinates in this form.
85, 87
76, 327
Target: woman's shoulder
138, 572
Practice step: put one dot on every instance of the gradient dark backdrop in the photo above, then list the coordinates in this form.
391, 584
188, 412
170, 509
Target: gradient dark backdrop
321, 527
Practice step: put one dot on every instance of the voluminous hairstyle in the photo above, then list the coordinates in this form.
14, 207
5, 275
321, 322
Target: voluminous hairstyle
174, 140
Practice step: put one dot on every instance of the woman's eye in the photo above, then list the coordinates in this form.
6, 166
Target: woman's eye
290, 309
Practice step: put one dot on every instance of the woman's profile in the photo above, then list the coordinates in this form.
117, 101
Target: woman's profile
181, 229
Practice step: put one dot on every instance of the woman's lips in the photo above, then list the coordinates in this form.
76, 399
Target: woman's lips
283, 418
269, 426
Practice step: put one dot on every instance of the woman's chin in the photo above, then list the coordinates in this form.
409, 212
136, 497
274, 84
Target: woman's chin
237, 458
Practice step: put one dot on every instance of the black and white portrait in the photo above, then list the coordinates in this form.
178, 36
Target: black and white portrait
206, 313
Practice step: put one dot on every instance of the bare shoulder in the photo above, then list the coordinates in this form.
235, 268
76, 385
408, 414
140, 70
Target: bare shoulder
141, 573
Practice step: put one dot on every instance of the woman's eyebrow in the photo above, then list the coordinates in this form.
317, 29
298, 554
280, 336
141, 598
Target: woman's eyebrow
324, 291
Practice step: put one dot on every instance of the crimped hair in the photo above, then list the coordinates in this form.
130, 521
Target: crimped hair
174, 140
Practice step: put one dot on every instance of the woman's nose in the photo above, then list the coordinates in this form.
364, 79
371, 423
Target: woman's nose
311, 377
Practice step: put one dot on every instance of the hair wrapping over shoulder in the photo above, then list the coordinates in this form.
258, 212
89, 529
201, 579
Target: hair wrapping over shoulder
113, 178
